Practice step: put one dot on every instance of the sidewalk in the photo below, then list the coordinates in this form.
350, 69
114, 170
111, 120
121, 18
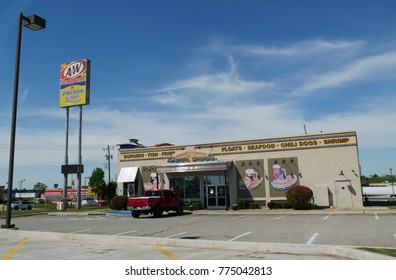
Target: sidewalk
262, 211
326, 211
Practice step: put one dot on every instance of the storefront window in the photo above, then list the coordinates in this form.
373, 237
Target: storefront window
187, 187
215, 180
192, 189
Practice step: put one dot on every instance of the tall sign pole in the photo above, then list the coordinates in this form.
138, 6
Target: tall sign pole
74, 91
78, 204
66, 160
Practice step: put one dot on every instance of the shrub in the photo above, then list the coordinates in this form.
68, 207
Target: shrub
253, 205
196, 205
242, 204
271, 205
286, 205
299, 197
119, 202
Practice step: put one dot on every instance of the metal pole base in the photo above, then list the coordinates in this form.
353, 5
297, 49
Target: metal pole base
9, 227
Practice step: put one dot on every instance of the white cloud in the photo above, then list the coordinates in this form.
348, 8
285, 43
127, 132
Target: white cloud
223, 83
300, 49
363, 69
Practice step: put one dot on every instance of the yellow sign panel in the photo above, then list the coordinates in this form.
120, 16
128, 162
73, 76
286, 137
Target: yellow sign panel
265, 146
74, 83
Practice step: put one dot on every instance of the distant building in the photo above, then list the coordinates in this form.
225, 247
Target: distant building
18, 194
57, 194
217, 175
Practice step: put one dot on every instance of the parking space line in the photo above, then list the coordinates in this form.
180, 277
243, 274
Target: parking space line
80, 231
94, 218
121, 233
177, 234
313, 237
394, 236
238, 217
278, 218
328, 216
376, 216
166, 253
239, 236
13, 250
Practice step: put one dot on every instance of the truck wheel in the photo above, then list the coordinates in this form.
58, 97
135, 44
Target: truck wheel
158, 211
135, 214
16, 208
29, 207
179, 210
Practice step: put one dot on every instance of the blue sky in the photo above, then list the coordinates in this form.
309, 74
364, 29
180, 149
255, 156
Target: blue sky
188, 72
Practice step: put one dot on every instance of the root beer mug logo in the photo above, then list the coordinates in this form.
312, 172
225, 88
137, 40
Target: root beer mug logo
285, 173
250, 178
74, 83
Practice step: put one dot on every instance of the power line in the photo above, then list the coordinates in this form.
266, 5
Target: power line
48, 147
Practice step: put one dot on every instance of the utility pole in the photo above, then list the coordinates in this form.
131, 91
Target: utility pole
391, 179
108, 157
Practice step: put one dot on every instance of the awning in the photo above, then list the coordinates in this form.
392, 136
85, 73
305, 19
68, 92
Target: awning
194, 167
127, 174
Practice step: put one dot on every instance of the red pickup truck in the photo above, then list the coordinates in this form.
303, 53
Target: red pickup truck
156, 202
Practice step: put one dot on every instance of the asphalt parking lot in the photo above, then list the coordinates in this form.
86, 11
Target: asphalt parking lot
201, 236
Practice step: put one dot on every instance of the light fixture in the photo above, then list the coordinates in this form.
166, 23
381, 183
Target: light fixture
34, 22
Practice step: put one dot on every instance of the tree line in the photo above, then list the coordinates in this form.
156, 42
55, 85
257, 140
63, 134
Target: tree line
374, 179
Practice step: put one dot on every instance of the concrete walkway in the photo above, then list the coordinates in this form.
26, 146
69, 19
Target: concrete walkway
262, 211
343, 252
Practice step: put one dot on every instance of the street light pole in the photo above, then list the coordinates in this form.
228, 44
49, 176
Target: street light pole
20, 187
393, 191
34, 23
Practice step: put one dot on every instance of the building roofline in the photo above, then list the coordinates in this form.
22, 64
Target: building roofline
251, 141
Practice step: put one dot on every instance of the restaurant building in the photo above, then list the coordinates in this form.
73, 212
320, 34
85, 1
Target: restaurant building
218, 175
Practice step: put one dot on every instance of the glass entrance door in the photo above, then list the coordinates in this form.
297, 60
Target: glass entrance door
216, 197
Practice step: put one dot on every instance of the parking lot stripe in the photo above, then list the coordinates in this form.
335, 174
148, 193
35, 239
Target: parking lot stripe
281, 217
166, 253
376, 216
394, 236
16, 248
121, 233
177, 234
313, 237
239, 236
328, 216
79, 231
238, 217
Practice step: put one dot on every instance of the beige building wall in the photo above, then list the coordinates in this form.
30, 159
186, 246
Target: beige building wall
326, 163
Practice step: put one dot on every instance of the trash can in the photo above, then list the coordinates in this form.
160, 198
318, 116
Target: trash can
59, 206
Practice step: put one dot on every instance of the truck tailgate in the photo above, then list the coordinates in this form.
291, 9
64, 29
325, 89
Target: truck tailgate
138, 201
